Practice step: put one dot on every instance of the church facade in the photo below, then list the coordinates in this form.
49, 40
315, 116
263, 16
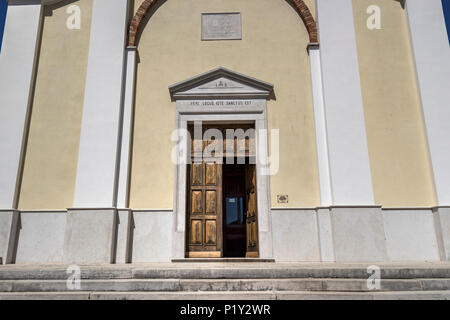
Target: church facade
136, 131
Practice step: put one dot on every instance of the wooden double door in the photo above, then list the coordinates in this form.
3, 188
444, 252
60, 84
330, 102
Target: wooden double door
222, 218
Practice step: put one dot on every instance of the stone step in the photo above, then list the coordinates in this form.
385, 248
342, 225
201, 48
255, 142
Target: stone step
224, 271
289, 273
236, 295
250, 285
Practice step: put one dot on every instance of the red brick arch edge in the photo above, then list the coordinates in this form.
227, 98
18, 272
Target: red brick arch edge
300, 5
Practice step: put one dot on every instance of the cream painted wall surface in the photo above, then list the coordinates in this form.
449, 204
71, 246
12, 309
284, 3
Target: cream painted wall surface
397, 146
273, 49
51, 158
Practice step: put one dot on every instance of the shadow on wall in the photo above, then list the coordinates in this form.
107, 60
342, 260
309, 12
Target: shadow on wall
292, 5
15, 231
402, 3
147, 17
48, 9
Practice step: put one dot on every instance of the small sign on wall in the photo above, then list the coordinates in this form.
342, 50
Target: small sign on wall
282, 198
221, 26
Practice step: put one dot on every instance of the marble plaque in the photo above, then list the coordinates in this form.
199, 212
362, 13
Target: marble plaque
221, 26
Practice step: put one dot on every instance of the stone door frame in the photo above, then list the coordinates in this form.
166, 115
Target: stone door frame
222, 96
256, 113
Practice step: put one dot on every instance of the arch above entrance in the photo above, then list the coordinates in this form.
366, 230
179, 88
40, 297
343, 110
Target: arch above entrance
300, 5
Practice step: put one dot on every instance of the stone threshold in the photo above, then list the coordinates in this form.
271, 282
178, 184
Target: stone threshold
236, 260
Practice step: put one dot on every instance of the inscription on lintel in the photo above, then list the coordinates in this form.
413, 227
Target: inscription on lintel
221, 26
221, 103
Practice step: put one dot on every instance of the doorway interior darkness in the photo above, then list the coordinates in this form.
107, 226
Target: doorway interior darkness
234, 209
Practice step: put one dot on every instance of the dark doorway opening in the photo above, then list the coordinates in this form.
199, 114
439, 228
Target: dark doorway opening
234, 209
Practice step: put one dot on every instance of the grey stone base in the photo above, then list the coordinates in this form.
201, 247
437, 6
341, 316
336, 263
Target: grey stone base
85, 236
9, 226
152, 236
124, 236
358, 234
41, 237
90, 236
361, 234
295, 235
442, 224
411, 235
327, 234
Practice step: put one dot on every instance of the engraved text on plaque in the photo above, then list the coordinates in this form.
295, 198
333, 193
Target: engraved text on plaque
221, 26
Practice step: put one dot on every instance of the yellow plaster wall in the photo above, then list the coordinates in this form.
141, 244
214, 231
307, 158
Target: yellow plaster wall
397, 145
273, 49
51, 159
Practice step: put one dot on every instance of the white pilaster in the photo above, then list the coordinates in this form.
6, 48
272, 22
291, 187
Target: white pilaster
127, 129
99, 151
17, 61
432, 56
320, 125
262, 188
351, 180
180, 179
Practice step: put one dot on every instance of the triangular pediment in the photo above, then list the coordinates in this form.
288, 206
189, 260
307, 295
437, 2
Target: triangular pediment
221, 83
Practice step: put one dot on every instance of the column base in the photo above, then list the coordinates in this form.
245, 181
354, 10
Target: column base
9, 227
442, 225
358, 234
91, 236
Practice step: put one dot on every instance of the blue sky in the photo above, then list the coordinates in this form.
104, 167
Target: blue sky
446, 6
3, 7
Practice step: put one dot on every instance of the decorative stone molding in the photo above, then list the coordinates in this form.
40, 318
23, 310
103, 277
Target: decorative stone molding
219, 83
308, 20
300, 5
136, 22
